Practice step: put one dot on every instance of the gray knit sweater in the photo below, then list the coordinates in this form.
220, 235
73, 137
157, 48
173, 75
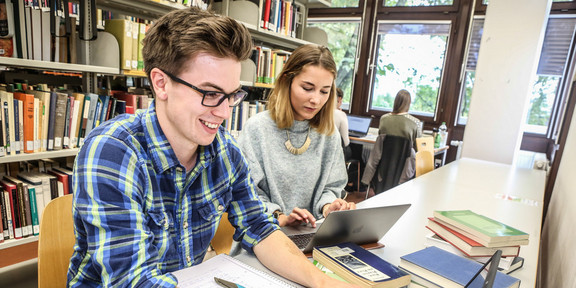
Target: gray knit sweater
284, 180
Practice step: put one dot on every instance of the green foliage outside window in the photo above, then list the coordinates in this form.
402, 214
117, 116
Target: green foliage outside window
345, 3
342, 42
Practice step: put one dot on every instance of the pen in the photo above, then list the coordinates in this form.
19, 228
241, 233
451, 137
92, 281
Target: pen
227, 284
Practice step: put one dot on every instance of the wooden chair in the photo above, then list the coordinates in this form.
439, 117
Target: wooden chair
425, 143
424, 162
222, 241
55, 242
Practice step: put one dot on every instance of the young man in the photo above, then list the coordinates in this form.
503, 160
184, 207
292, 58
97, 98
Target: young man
150, 188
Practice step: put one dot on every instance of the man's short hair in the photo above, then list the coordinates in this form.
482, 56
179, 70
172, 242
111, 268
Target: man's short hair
182, 34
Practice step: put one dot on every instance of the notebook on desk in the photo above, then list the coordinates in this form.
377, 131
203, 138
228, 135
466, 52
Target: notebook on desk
360, 226
358, 126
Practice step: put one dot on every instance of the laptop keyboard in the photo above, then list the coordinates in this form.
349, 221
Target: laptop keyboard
301, 240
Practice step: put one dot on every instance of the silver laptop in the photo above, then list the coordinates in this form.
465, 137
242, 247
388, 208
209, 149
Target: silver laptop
358, 126
361, 226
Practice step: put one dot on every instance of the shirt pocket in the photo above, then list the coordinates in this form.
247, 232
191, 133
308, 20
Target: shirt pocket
160, 225
210, 213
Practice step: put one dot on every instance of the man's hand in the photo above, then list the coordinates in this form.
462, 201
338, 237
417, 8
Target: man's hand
338, 205
297, 217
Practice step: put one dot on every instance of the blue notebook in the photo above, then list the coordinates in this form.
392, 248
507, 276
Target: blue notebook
449, 270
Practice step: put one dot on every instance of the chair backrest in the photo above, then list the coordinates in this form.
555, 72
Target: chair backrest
424, 162
55, 242
222, 241
425, 144
395, 151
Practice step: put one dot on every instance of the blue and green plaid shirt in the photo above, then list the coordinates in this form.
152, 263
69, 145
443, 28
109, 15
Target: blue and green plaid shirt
138, 215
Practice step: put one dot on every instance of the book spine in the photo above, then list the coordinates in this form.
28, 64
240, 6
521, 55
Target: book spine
16, 219
27, 210
22, 211
9, 219
5, 223
6, 124
34, 211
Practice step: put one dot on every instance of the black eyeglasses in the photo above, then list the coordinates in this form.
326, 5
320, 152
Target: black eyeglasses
213, 98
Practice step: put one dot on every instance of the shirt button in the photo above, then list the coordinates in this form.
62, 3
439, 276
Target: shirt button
179, 169
185, 224
220, 207
188, 259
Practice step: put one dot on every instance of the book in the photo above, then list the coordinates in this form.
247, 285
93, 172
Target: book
484, 230
466, 245
506, 264
35, 184
448, 270
28, 118
60, 120
4, 211
14, 207
24, 205
122, 31
359, 266
226, 267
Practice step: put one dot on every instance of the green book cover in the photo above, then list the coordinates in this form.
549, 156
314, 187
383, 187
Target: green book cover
480, 223
34, 210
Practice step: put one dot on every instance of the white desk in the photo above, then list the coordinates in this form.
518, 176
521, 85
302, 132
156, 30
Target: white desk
510, 195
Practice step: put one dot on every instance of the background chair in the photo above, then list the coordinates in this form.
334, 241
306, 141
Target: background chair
425, 144
222, 241
387, 162
55, 242
424, 162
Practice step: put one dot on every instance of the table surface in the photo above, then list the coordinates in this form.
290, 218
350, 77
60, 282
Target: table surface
510, 195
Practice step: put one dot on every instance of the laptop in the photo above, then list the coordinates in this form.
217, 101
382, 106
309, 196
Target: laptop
358, 126
361, 226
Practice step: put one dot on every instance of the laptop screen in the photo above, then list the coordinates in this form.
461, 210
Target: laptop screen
358, 125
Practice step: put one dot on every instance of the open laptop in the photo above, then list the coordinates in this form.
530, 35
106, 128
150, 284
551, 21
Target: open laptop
358, 126
361, 226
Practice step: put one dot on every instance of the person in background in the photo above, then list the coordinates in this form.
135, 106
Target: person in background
399, 122
341, 122
295, 158
150, 188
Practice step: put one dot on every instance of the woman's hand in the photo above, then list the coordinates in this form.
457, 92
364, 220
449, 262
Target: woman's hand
297, 217
337, 205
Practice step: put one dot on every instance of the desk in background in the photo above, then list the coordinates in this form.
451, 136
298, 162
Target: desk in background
510, 195
369, 140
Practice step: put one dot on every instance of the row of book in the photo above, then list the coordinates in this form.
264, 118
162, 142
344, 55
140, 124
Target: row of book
129, 33
269, 63
241, 113
23, 198
34, 119
281, 16
26, 32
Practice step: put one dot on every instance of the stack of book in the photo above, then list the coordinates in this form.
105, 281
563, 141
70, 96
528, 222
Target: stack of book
357, 265
477, 237
434, 267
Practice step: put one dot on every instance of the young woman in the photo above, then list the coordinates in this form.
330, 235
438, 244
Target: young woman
399, 122
295, 156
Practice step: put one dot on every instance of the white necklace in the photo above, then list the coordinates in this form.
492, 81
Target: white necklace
294, 150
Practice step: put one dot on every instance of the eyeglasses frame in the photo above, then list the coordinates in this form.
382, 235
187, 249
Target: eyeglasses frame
204, 92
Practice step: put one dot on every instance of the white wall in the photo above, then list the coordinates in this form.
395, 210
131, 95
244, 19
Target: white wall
507, 62
557, 262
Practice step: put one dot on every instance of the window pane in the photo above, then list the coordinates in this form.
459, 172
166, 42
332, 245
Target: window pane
342, 41
345, 3
466, 95
411, 57
543, 95
396, 3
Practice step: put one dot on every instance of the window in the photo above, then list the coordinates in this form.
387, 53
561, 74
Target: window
395, 3
409, 56
470, 70
343, 42
553, 58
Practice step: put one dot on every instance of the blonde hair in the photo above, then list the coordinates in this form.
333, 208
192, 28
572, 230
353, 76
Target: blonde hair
279, 104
